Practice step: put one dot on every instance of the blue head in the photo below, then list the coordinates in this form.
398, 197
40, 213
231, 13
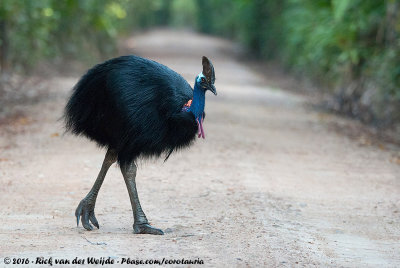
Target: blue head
204, 81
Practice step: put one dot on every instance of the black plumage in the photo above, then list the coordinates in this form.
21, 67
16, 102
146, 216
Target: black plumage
134, 106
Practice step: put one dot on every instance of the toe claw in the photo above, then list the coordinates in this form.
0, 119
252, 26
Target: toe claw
93, 220
85, 221
86, 210
96, 224
78, 213
146, 228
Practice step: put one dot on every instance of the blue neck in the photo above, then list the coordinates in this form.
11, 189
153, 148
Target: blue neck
198, 103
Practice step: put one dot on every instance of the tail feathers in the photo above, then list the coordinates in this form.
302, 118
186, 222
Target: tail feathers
168, 155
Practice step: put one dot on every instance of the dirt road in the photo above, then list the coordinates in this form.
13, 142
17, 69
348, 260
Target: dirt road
272, 184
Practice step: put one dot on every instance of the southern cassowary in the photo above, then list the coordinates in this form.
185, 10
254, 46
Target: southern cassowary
136, 108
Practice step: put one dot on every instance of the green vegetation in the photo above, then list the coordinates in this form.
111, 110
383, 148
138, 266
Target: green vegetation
351, 48
48, 29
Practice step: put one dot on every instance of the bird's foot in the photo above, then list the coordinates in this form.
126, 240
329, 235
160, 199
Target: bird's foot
86, 210
145, 228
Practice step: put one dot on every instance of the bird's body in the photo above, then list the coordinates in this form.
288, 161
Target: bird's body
135, 107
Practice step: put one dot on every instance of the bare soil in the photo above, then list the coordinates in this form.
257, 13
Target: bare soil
273, 184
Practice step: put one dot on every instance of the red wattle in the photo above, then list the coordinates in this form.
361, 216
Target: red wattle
198, 128
201, 128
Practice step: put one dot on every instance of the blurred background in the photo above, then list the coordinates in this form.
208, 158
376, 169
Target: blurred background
349, 50
280, 179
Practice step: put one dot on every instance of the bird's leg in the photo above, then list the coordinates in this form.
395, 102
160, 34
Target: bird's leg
86, 206
140, 225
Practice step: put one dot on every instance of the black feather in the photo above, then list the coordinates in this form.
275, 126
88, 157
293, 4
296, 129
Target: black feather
134, 106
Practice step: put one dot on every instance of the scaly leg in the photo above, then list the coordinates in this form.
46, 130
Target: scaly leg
140, 225
86, 206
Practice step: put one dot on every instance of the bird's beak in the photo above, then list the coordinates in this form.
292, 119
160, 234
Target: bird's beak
213, 89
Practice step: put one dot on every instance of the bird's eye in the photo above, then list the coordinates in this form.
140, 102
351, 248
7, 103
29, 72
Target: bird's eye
203, 80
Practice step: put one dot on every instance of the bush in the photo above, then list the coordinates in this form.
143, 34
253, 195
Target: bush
47, 29
350, 47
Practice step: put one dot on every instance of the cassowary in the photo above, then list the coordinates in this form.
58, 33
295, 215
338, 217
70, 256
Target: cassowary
136, 108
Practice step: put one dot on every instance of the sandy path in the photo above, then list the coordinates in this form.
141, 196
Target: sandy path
271, 184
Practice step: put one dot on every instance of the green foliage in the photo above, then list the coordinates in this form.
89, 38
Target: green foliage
338, 43
184, 13
335, 42
48, 29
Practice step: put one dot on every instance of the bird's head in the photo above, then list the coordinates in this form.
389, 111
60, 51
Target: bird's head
206, 79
